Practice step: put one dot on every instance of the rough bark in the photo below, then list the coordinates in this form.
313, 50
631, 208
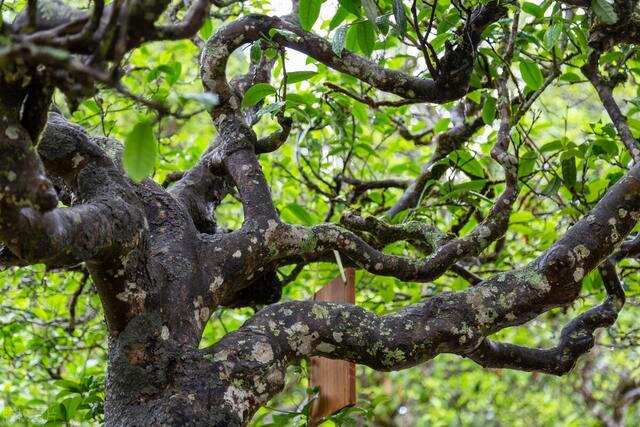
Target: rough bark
162, 266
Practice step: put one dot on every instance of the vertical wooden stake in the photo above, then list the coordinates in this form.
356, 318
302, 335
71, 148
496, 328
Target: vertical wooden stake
336, 378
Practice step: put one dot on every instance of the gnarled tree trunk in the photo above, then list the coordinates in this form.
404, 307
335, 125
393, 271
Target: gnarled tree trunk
161, 266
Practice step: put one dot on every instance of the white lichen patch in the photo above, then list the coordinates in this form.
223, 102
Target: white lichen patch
485, 315
408, 325
581, 251
164, 333
477, 299
299, 338
262, 352
272, 226
221, 355
77, 160
275, 376
337, 336
215, 285
259, 386
578, 274
132, 295
534, 278
238, 400
12, 132
201, 313
237, 254
484, 231
464, 332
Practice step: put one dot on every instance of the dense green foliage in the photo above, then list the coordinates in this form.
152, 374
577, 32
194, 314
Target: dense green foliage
52, 338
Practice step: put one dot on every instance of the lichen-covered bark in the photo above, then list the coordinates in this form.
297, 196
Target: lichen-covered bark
162, 266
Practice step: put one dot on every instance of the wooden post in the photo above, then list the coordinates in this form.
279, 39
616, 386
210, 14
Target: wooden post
336, 378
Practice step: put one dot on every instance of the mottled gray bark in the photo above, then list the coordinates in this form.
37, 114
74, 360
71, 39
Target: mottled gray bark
161, 266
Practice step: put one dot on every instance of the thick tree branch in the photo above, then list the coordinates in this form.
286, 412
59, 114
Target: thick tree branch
58, 236
196, 14
576, 338
451, 322
451, 83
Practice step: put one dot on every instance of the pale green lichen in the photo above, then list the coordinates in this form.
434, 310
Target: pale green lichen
325, 347
532, 277
320, 312
581, 251
392, 357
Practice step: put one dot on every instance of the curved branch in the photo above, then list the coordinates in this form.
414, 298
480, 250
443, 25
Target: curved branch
450, 84
193, 20
590, 70
30, 225
316, 241
576, 338
203, 187
446, 323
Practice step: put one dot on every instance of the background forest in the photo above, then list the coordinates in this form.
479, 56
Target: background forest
52, 335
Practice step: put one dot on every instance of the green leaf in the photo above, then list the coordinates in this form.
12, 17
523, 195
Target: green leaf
68, 385
489, 110
352, 6
533, 9
172, 72
366, 35
371, 10
464, 160
442, 125
338, 18
301, 213
552, 188
71, 406
309, 11
206, 30
255, 53
339, 40
605, 11
400, 17
300, 76
552, 36
140, 150
569, 171
531, 74
256, 94
527, 163
271, 53
475, 96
